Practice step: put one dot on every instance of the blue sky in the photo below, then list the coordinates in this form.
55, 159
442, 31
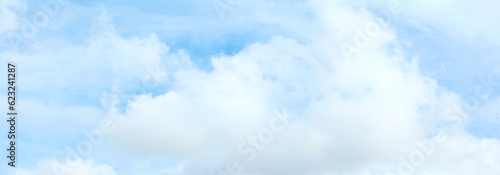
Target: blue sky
184, 86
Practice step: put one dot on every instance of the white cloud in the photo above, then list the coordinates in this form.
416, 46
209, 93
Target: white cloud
464, 20
9, 17
350, 116
354, 114
54, 167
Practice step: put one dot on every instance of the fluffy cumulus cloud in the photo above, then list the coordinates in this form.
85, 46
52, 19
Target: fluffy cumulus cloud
335, 94
350, 116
